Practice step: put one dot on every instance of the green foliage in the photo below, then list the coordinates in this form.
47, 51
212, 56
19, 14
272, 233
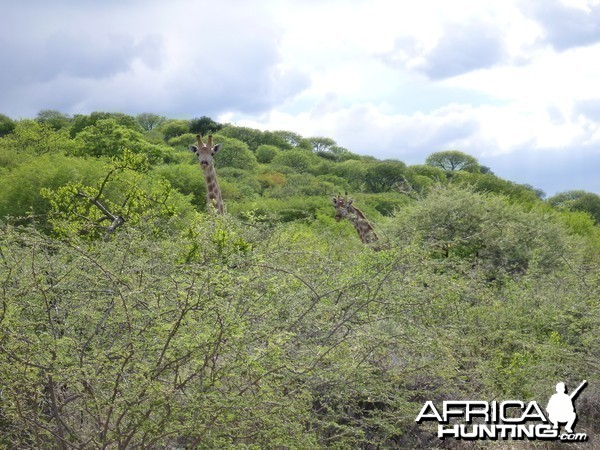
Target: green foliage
453, 160
255, 138
292, 139
385, 176
270, 179
124, 195
10, 159
578, 201
80, 122
340, 184
149, 121
385, 203
420, 179
204, 125
492, 183
321, 144
187, 179
435, 174
53, 118
353, 172
500, 237
108, 138
7, 125
233, 335
20, 193
33, 137
130, 318
342, 154
173, 128
298, 160
266, 153
234, 153
238, 184
283, 209
183, 140
302, 184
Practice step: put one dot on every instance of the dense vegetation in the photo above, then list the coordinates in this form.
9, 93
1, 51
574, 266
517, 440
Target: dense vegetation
129, 317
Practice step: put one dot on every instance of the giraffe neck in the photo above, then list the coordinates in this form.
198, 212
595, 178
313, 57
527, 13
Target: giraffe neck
213, 191
363, 227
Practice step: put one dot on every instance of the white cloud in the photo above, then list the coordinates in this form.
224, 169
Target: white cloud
381, 77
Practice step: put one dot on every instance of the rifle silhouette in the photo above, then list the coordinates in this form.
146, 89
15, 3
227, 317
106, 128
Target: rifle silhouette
576, 391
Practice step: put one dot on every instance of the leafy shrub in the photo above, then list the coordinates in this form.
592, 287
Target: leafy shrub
20, 194
501, 237
107, 138
266, 153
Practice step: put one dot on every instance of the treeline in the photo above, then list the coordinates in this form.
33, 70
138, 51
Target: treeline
130, 318
279, 175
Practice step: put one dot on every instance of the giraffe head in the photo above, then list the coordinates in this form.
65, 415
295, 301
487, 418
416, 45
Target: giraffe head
205, 152
343, 206
344, 209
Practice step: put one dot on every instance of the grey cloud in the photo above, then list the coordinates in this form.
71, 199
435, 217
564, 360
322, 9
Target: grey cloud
565, 26
82, 56
550, 170
202, 58
235, 70
463, 48
409, 138
589, 108
73, 55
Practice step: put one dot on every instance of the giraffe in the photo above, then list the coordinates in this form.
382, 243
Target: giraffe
345, 209
205, 153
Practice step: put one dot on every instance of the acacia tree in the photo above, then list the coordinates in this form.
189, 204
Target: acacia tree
321, 144
53, 118
385, 176
149, 121
204, 125
453, 160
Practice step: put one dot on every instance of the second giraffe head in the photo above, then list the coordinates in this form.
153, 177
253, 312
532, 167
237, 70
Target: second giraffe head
205, 152
342, 206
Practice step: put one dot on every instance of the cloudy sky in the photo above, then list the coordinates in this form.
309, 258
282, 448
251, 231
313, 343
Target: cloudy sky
515, 83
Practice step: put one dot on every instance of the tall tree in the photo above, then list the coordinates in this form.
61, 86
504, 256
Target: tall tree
385, 176
53, 118
149, 121
453, 160
204, 125
7, 125
321, 144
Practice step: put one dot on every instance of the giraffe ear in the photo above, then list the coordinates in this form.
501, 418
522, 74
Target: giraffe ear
216, 148
193, 148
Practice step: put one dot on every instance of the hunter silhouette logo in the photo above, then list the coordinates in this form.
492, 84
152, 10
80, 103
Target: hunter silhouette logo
510, 419
560, 407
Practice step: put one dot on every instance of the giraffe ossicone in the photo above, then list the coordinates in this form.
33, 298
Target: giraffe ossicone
205, 153
345, 209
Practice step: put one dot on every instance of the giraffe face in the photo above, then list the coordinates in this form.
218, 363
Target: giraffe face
205, 152
342, 207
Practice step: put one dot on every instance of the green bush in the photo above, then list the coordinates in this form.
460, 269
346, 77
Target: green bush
20, 195
266, 153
